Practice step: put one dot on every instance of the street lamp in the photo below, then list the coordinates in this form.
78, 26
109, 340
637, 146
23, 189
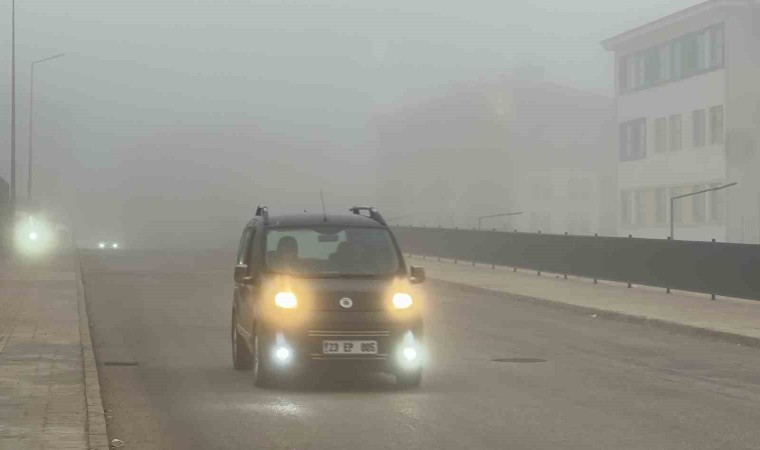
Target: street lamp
480, 219
31, 127
673, 199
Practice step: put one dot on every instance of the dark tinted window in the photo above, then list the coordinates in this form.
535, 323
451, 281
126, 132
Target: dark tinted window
329, 250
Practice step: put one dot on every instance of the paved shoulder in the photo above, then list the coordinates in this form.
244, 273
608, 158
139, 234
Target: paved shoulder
43, 401
736, 320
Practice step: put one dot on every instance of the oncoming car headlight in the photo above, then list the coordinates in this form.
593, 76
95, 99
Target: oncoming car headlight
402, 300
286, 300
34, 237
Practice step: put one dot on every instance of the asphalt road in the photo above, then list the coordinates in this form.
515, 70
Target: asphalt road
599, 384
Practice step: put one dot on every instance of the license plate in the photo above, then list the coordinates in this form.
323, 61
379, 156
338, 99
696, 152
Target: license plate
349, 347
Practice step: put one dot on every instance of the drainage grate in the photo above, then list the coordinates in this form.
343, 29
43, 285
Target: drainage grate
120, 363
518, 360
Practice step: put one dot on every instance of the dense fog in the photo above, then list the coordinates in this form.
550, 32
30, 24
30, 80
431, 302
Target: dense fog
168, 121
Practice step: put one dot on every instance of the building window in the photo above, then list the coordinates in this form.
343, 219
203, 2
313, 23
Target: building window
716, 202
641, 208
675, 132
660, 205
633, 139
640, 70
698, 128
703, 55
698, 205
625, 207
685, 56
716, 125
690, 54
716, 46
651, 60
631, 67
660, 135
676, 60
664, 61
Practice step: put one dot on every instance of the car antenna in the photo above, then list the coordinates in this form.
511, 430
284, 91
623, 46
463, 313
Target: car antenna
322, 197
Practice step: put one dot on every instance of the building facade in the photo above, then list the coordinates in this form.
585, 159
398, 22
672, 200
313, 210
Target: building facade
500, 146
688, 119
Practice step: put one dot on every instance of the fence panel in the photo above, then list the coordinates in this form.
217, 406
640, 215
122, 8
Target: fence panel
710, 267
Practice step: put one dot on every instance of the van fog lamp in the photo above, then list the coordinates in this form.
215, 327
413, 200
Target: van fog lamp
33, 236
282, 353
410, 354
402, 300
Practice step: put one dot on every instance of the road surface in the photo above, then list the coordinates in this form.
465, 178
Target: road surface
160, 325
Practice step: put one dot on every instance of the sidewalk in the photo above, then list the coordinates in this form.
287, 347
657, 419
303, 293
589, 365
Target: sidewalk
735, 320
49, 390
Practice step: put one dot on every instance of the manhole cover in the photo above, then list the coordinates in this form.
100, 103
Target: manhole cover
518, 360
120, 363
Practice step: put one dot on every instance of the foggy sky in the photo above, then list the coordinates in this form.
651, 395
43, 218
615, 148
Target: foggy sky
193, 110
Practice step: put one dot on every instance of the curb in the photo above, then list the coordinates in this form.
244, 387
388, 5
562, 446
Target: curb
97, 436
693, 330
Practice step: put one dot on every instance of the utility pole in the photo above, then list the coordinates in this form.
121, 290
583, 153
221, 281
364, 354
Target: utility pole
13, 111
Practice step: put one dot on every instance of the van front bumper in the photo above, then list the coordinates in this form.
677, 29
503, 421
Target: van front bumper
393, 343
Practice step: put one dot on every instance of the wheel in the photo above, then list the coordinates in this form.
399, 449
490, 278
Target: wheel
241, 356
411, 379
262, 375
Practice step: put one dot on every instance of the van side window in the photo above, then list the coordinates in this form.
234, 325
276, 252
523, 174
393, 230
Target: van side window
245, 241
250, 250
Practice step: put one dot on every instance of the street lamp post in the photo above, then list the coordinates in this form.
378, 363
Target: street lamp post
31, 127
673, 199
480, 219
13, 109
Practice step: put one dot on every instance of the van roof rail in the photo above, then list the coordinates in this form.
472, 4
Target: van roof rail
263, 212
373, 213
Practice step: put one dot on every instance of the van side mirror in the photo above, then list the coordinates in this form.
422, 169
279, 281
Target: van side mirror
416, 274
241, 274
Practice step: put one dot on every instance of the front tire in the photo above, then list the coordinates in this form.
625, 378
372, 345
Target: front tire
241, 356
262, 375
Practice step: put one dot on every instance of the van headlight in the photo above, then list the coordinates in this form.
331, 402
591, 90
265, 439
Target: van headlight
402, 300
286, 300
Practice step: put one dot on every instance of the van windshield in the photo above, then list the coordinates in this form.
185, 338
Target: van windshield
327, 251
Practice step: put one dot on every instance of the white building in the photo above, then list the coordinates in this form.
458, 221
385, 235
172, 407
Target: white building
688, 113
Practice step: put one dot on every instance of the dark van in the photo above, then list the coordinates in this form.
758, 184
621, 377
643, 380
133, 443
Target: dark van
325, 290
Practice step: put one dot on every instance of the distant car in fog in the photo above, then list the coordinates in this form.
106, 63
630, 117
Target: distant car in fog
314, 290
103, 245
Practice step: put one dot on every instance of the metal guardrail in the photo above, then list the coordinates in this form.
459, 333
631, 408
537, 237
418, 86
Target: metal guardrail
731, 270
